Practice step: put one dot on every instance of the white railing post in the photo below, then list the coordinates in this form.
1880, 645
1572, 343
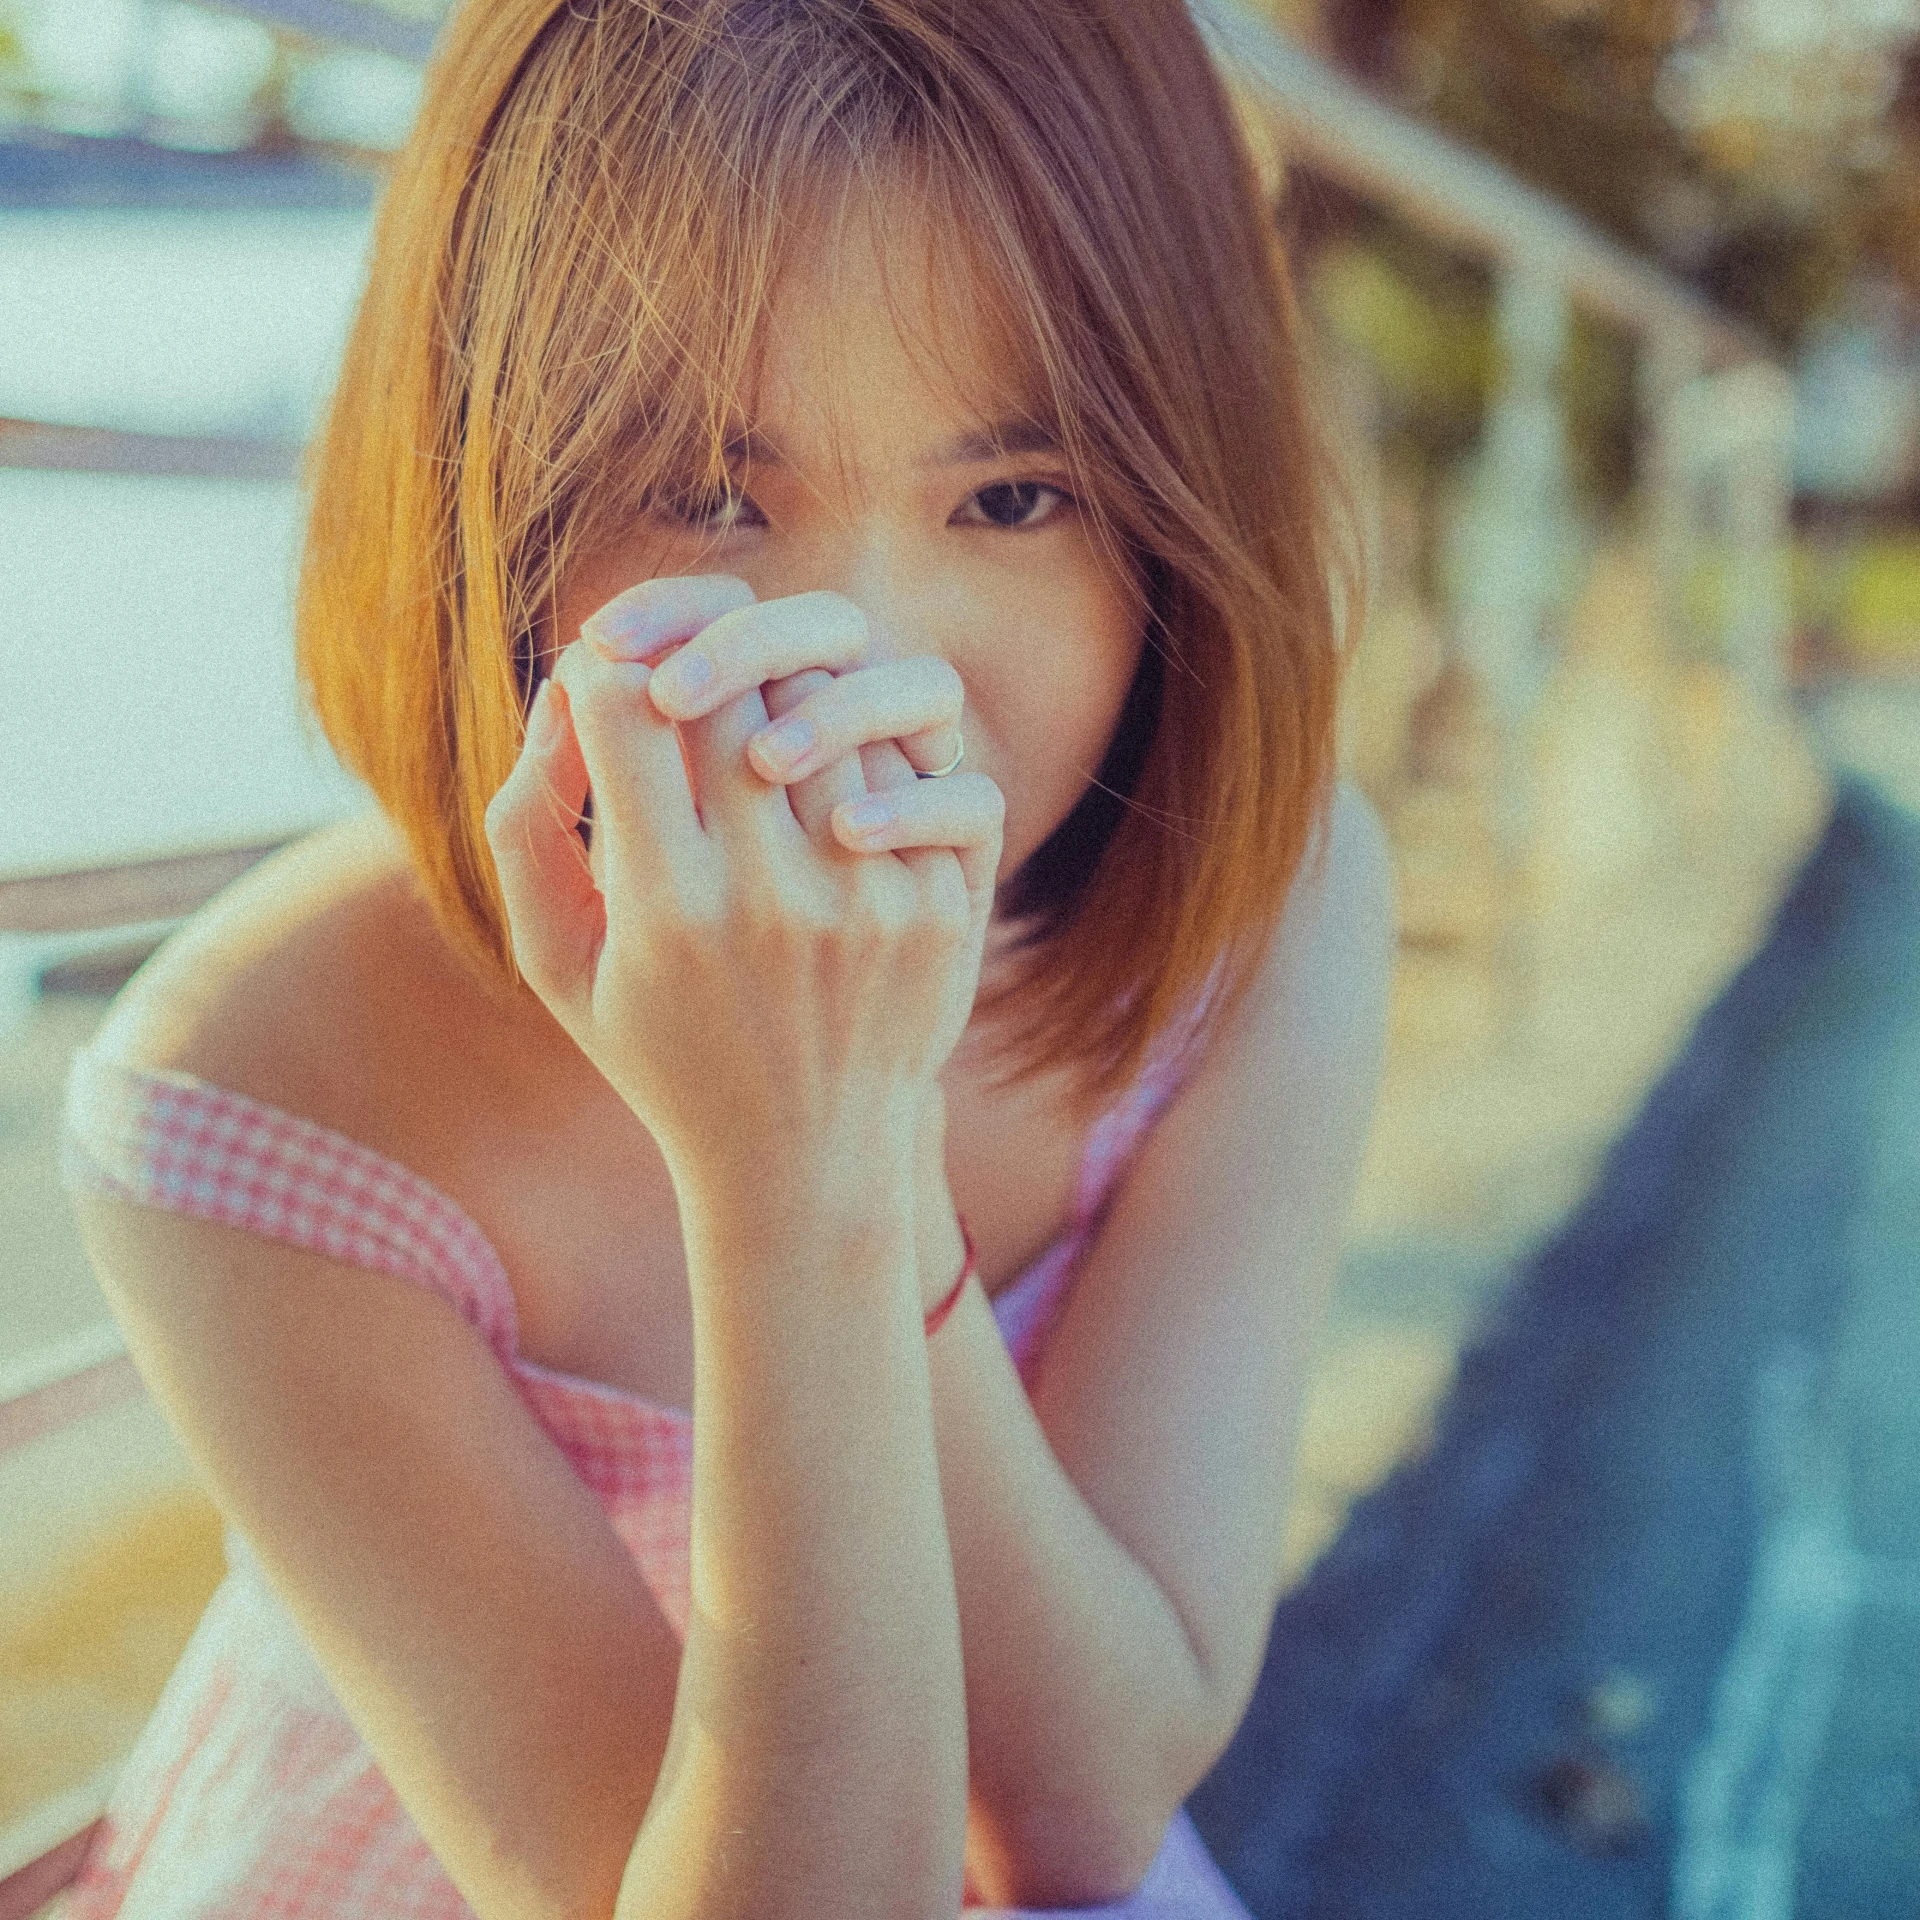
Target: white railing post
1672, 356
1511, 573
1735, 435
1507, 559
1759, 398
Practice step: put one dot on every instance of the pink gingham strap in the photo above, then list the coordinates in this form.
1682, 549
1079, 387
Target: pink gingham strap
168, 1139
1120, 1129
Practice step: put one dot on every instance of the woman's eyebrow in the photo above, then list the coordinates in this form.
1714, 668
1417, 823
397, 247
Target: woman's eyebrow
997, 442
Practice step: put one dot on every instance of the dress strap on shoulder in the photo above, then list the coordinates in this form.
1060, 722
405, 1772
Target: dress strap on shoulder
1115, 1134
163, 1138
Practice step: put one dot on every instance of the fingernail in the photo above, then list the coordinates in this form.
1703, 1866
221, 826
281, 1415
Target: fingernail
626, 633
543, 721
783, 746
868, 816
683, 677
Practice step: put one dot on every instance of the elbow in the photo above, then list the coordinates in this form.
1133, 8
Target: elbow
1101, 1859
1091, 1839
1113, 1872
1064, 1857
1090, 1848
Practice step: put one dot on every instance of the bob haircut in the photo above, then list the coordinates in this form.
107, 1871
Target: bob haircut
573, 261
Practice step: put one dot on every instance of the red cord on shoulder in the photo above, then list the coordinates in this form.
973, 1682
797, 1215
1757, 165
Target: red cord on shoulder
937, 1318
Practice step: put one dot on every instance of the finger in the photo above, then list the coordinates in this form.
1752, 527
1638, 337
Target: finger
749, 817
814, 795
887, 769
637, 624
554, 911
965, 812
916, 702
750, 645
641, 795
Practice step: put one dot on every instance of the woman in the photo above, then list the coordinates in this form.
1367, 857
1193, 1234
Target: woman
538, 1207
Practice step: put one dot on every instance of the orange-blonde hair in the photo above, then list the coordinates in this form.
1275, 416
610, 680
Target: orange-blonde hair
573, 262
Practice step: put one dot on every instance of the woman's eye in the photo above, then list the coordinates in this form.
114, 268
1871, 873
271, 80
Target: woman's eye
709, 512
1010, 503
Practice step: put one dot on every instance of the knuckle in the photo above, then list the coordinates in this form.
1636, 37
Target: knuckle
779, 911
896, 907
644, 597
830, 705
866, 917
812, 917
834, 618
793, 690
674, 595
573, 673
574, 659
736, 641
606, 693
927, 936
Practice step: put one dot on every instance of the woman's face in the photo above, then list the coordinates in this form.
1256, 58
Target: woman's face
982, 559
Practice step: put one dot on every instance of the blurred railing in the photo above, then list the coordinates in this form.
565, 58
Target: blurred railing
46, 447
54, 919
63, 1383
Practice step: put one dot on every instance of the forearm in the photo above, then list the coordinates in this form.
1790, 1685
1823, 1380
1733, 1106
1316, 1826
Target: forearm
817, 1759
1086, 1703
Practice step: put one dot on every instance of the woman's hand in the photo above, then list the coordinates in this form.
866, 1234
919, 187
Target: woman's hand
755, 963
868, 731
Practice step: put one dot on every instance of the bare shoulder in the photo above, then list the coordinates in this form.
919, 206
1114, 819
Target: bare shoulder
316, 982
320, 984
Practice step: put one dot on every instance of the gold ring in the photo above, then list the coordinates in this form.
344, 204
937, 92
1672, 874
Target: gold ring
940, 773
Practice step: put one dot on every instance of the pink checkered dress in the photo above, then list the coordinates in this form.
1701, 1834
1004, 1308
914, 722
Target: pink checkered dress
249, 1793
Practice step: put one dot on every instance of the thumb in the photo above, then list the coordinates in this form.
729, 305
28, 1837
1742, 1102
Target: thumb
554, 911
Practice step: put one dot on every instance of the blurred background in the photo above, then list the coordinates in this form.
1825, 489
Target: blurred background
1616, 307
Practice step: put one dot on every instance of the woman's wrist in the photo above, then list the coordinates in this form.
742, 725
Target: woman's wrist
768, 1205
940, 1247
930, 1125
937, 1316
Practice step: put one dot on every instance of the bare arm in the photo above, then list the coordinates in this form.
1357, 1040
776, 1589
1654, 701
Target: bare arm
817, 1758
1087, 1706
1116, 1543
487, 1633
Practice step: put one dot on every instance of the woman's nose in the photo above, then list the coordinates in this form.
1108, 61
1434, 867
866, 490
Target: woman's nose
895, 591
